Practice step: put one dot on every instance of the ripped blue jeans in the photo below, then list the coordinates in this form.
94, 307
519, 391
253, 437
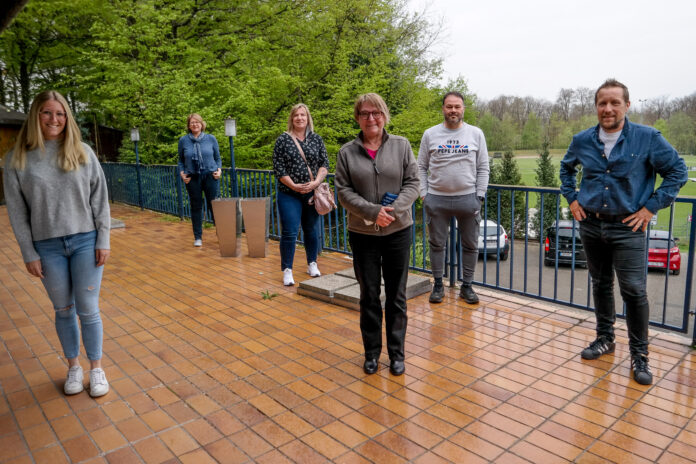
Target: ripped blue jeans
72, 281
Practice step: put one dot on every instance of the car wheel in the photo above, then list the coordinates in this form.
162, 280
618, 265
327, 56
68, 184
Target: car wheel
675, 272
548, 263
504, 256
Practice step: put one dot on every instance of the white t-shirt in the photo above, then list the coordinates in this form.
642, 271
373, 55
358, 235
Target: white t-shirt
609, 140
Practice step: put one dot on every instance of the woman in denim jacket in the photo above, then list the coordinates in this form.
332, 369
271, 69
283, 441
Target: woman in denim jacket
200, 167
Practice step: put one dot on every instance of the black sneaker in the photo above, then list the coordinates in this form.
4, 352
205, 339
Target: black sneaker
438, 293
468, 294
641, 370
597, 348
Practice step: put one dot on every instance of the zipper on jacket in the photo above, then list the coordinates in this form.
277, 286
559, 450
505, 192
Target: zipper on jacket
374, 165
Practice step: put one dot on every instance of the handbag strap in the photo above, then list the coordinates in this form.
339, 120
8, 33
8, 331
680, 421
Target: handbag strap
299, 148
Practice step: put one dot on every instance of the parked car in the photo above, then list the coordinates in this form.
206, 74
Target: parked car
495, 239
564, 238
663, 250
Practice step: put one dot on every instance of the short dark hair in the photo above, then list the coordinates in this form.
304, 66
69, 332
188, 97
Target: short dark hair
455, 94
612, 83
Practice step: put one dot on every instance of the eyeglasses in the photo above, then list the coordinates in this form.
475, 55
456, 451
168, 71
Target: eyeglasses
50, 114
366, 114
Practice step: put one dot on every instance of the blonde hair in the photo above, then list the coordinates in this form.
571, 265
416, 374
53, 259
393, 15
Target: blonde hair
72, 153
198, 118
295, 109
376, 101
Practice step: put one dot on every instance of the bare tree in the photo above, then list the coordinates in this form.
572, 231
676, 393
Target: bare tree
564, 102
584, 101
656, 108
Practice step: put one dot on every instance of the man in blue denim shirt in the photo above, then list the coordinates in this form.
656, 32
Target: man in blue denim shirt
615, 204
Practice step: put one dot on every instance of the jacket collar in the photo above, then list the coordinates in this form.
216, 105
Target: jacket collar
359, 138
624, 130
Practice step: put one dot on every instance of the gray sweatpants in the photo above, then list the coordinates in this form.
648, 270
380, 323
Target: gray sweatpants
439, 210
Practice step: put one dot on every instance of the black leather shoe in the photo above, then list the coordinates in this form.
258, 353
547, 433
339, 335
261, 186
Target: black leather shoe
370, 366
396, 367
468, 294
437, 294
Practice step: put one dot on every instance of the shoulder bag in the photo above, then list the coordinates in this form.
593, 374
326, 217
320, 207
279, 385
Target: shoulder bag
323, 199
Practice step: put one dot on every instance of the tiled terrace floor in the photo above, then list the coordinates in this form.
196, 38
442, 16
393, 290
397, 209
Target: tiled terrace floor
204, 369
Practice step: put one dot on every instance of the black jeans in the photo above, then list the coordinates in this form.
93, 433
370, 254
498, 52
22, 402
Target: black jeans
373, 257
199, 184
613, 246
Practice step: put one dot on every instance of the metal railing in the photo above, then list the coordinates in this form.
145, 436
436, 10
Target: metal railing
525, 269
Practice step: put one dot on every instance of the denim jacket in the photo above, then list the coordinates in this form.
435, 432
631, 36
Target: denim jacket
625, 182
209, 150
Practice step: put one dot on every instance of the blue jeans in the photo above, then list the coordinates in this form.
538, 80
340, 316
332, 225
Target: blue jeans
613, 246
198, 184
72, 281
294, 211
376, 257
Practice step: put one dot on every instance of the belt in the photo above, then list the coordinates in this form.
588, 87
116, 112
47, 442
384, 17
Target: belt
608, 217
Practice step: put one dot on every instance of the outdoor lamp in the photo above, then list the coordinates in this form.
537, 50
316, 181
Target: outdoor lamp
230, 127
230, 132
135, 137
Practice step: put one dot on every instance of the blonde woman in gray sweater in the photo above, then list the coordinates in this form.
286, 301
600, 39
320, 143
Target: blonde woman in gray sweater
57, 201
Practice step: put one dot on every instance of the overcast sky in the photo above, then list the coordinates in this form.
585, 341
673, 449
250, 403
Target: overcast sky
536, 47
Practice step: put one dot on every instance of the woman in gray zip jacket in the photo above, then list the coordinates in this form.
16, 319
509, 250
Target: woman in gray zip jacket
377, 182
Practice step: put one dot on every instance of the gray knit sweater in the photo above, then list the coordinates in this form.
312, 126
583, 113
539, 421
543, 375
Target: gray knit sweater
43, 201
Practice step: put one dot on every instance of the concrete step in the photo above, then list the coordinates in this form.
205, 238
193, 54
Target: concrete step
342, 289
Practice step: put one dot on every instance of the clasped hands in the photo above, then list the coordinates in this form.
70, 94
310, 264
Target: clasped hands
306, 187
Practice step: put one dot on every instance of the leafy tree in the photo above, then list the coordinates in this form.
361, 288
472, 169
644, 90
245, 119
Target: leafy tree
682, 133
531, 133
40, 49
507, 172
545, 177
150, 63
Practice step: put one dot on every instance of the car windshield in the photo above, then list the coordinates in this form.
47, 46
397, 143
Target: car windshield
660, 243
490, 230
565, 232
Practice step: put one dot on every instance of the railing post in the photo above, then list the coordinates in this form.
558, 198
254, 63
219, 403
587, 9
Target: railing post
137, 171
453, 253
690, 275
179, 195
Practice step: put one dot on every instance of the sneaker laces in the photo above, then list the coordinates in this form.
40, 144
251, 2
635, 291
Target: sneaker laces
640, 363
599, 344
73, 374
97, 377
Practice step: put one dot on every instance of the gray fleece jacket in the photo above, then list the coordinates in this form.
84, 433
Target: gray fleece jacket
43, 201
361, 182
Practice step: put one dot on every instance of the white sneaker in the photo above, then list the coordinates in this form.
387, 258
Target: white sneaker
98, 386
287, 277
73, 384
198, 242
313, 270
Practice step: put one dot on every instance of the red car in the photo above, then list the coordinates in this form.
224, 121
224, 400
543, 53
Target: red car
660, 248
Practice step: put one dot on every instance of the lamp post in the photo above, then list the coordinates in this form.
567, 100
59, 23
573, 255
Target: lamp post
230, 132
135, 138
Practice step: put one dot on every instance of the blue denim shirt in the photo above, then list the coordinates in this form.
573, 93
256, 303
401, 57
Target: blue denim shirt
625, 182
209, 150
